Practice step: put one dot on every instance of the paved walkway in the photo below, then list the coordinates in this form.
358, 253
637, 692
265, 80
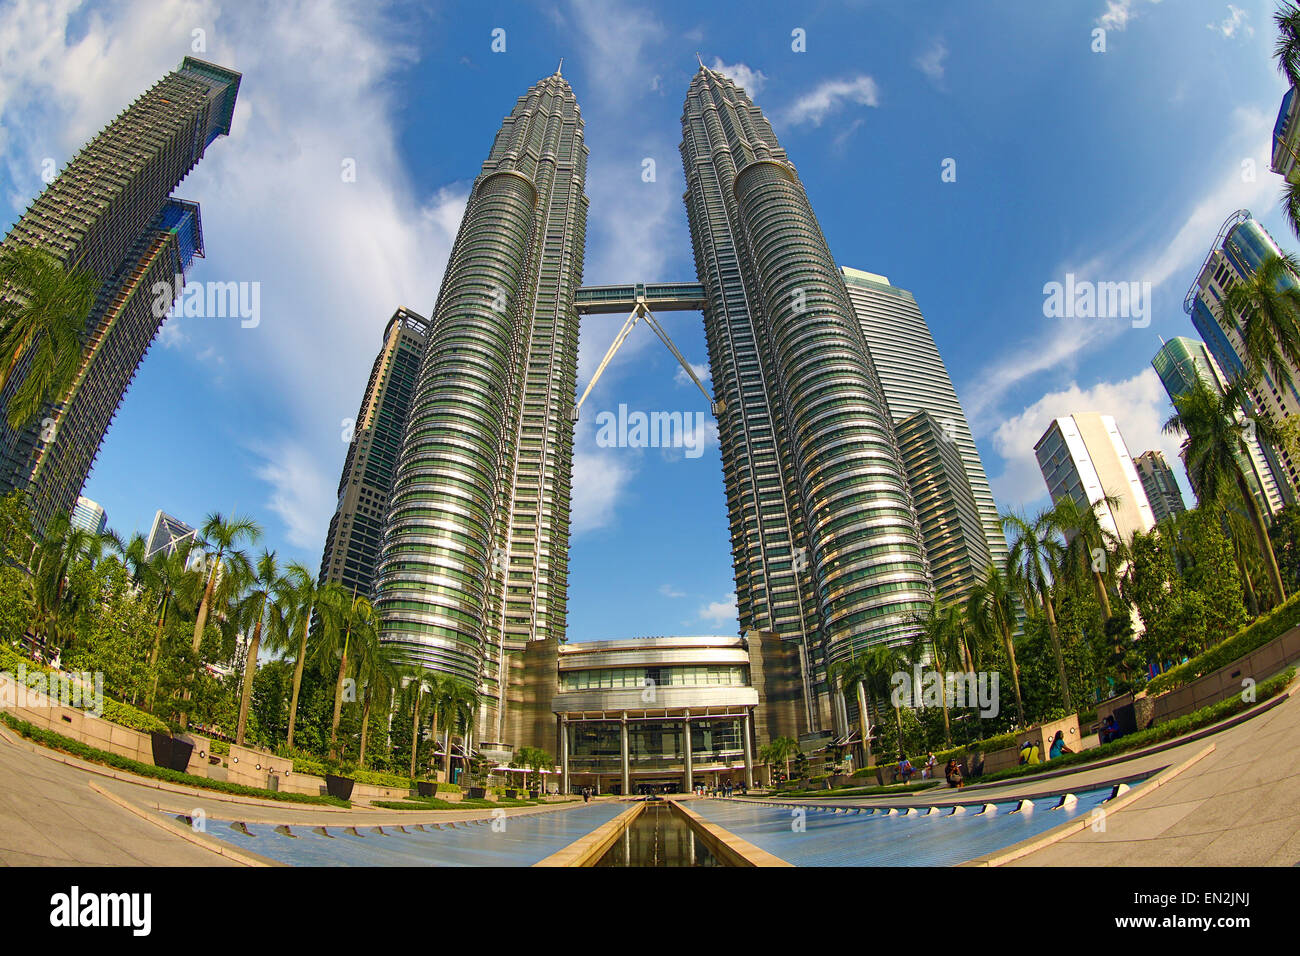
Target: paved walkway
1239, 806
49, 816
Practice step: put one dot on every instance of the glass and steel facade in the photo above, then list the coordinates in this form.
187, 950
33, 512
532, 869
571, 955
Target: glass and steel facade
89, 516
951, 521
1160, 485
825, 543
1178, 363
1241, 245
166, 534
625, 709
356, 531
109, 213
475, 557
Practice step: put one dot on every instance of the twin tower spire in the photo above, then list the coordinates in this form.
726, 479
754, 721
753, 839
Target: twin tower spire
825, 545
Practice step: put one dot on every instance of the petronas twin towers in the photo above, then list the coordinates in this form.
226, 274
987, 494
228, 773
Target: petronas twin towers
825, 543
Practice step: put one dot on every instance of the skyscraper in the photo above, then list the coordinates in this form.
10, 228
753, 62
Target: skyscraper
825, 542
89, 516
475, 557
914, 378
356, 531
167, 534
109, 213
1178, 363
1241, 245
951, 526
1159, 483
1084, 457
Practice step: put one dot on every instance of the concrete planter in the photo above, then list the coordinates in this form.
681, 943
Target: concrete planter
171, 753
426, 788
338, 786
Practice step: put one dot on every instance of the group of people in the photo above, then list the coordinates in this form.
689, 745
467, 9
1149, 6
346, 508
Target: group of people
720, 789
1030, 752
953, 772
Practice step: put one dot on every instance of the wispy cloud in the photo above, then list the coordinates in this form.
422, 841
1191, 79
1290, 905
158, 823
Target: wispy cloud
830, 97
1234, 23
721, 612
750, 80
931, 62
668, 591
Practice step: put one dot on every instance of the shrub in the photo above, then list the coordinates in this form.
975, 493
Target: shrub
1272, 625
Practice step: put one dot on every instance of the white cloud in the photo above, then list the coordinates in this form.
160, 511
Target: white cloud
1164, 258
600, 475
614, 37
931, 61
668, 591
748, 79
829, 97
701, 372
315, 92
1232, 24
721, 612
300, 494
1140, 406
1117, 15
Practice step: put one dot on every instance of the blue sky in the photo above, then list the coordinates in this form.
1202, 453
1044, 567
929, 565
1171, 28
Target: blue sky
1115, 166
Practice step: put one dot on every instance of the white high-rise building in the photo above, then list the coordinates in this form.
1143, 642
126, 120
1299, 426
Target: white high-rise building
89, 515
1083, 456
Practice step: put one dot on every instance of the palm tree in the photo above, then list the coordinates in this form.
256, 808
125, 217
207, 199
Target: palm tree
535, 759
1287, 49
258, 602
62, 548
780, 749
420, 682
455, 706
1035, 555
1214, 448
219, 537
937, 633
1266, 310
299, 596
43, 311
991, 610
378, 672
170, 575
1085, 537
342, 614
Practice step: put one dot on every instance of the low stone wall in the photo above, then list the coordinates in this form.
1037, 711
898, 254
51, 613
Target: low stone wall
40, 710
1258, 665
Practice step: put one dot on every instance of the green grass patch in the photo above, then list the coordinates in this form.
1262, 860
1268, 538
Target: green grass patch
75, 748
860, 791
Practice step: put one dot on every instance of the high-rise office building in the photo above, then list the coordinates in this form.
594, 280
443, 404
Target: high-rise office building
89, 516
1241, 245
951, 523
1084, 457
914, 378
167, 534
110, 213
825, 542
475, 557
1158, 481
1286, 138
1178, 363
356, 531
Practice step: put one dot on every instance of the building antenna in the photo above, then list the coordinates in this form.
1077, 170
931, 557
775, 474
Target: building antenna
697, 56
559, 70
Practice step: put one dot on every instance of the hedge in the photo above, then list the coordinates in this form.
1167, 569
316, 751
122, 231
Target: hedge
988, 745
67, 745
115, 711
1272, 625
374, 778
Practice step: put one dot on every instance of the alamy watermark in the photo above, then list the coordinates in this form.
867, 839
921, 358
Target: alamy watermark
80, 689
208, 300
639, 429
933, 688
1084, 299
